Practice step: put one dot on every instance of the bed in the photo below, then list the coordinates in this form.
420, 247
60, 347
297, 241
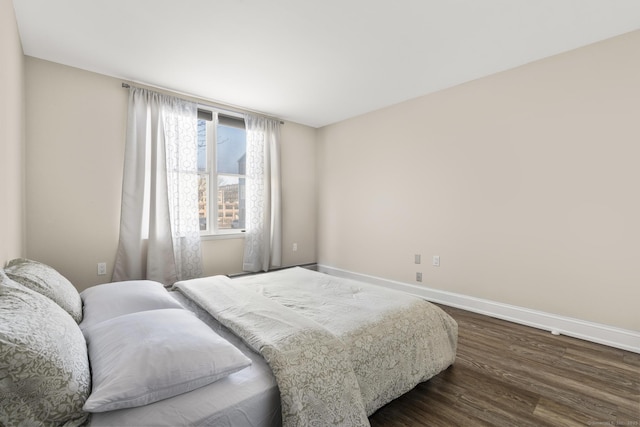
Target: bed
291, 347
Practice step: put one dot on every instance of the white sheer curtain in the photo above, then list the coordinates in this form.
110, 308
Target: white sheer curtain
263, 240
159, 230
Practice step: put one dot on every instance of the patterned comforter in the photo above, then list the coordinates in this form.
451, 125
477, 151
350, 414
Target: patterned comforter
339, 349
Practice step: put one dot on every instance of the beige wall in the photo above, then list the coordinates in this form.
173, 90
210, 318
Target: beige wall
11, 136
76, 124
299, 193
75, 146
525, 183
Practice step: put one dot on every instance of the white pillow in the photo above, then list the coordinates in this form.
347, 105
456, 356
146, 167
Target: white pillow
111, 300
144, 357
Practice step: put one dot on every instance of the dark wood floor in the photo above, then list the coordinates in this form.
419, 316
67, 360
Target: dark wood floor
512, 375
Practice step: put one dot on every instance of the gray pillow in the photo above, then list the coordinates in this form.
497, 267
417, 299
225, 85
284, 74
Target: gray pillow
140, 358
48, 282
103, 302
44, 367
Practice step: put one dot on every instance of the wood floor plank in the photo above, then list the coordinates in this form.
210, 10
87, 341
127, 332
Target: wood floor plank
498, 406
632, 359
623, 383
533, 377
558, 414
509, 374
546, 379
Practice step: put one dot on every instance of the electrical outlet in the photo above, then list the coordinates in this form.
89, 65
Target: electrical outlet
436, 260
102, 268
295, 247
418, 277
417, 258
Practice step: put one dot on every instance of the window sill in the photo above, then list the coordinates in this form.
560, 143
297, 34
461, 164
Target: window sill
238, 235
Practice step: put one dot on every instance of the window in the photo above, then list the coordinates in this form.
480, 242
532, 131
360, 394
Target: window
222, 149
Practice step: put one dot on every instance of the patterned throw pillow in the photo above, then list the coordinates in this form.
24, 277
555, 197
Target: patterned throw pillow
48, 282
44, 367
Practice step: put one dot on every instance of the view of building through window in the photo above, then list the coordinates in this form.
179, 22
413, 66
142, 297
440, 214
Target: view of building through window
221, 161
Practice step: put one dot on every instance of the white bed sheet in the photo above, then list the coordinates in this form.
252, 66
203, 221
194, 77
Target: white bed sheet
248, 398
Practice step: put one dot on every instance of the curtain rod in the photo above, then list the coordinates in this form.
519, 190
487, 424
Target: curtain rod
215, 105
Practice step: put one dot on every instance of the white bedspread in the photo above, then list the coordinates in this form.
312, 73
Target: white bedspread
314, 374
392, 340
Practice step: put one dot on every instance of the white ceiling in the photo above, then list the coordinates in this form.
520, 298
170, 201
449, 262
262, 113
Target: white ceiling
312, 62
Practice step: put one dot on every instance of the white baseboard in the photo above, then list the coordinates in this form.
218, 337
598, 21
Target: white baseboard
589, 331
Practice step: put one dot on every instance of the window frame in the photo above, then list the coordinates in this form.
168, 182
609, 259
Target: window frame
211, 171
